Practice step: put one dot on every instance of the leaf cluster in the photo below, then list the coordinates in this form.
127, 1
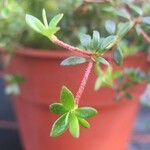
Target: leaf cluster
129, 78
44, 28
106, 77
96, 43
72, 116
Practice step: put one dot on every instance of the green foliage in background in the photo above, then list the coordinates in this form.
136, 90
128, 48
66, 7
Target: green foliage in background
11, 24
78, 18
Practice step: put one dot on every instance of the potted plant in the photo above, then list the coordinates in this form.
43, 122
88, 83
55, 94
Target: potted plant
111, 128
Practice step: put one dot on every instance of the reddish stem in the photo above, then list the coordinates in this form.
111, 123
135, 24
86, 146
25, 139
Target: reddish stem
83, 82
69, 47
145, 36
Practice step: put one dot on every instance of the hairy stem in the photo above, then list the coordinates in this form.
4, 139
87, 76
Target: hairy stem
83, 82
145, 36
60, 43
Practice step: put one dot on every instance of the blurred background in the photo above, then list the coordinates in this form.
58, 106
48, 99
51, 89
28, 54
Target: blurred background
78, 18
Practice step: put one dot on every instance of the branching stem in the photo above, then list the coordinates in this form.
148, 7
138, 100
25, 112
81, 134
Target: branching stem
83, 82
60, 43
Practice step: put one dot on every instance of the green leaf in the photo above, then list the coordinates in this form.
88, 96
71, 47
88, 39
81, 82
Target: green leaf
44, 18
94, 45
146, 20
60, 125
138, 29
102, 61
123, 13
14, 78
108, 77
105, 78
67, 98
118, 56
12, 89
85, 112
35, 23
110, 26
85, 40
74, 60
98, 69
98, 83
108, 8
123, 28
83, 123
96, 36
137, 9
55, 20
57, 108
117, 74
74, 126
108, 42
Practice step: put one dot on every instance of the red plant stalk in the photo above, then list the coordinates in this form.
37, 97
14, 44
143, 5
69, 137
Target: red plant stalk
60, 43
83, 82
145, 36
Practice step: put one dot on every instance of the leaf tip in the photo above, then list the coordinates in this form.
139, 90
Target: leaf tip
27, 17
61, 15
43, 10
77, 136
52, 134
50, 107
64, 87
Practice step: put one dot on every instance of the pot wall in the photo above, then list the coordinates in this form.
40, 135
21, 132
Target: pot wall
110, 129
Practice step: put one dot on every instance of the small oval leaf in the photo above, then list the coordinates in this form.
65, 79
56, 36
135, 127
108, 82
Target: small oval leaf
57, 108
123, 28
83, 123
60, 125
146, 20
74, 126
35, 24
110, 26
95, 42
44, 18
102, 61
85, 40
107, 42
85, 112
117, 74
96, 36
136, 9
98, 83
55, 20
123, 13
67, 98
138, 29
74, 60
118, 56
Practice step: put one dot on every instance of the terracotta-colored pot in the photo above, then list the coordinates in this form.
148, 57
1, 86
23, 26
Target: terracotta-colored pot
110, 129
